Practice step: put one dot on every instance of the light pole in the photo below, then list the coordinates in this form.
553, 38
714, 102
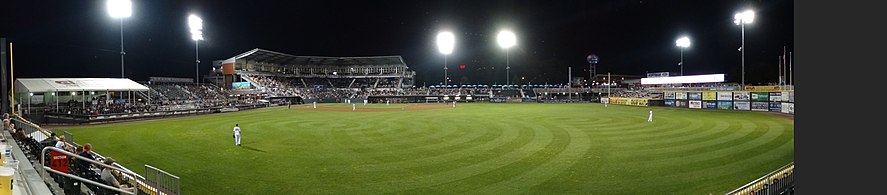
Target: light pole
445, 43
683, 42
506, 40
741, 19
196, 25
120, 9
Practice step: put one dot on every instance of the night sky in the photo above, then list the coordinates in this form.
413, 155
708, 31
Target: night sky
79, 39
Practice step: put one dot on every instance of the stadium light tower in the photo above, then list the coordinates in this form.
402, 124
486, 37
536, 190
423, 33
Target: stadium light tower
120, 9
741, 19
445, 43
683, 42
506, 40
196, 25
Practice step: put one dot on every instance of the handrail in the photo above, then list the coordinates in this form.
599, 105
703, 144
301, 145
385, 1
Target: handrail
790, 165
45, 168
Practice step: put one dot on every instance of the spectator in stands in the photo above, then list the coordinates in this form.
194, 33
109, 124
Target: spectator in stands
60, 143
82, 165
109, 179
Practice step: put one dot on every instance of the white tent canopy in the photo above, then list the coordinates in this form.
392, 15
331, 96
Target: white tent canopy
42, 85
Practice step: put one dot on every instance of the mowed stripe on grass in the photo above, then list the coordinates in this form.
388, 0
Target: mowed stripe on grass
474, 148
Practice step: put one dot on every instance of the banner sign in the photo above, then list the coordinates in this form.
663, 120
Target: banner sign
760, 106
784, 96
709, 95
694, 95
695, 104
725, 96
680, 103
762, 88
240, 85
725, 105
657, 74
710, 104
669, 103
775, 107
760, 96
669, 95
58, 161
680, 95
630, 101
788, 108
775, 96
740, 96
741, 105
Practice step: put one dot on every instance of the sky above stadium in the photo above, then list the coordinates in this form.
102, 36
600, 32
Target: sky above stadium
80, 39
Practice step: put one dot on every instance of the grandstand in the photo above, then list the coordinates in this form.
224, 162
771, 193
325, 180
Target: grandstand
312, 77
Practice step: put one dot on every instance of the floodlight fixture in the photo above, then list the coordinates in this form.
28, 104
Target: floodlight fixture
445, 42
119, 8
506, 39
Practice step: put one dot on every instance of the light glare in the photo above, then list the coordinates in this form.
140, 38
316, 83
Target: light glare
445, 42
745, 17
119, 8
196, 25
506, 39
683, 42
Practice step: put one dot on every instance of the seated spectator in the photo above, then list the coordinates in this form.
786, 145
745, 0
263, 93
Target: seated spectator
82, 165
108, 177
60, 143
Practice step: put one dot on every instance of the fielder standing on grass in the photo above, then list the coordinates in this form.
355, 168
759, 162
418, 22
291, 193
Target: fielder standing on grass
237, 134
651, 116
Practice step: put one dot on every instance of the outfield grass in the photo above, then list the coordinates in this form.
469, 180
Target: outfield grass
475, 148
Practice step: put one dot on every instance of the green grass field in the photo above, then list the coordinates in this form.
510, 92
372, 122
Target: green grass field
479, 148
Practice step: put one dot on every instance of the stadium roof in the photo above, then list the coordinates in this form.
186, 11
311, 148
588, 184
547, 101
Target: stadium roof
40, 85
273, 57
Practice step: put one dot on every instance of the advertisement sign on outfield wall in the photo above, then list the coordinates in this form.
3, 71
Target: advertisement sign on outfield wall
725, 105
775, 96
741, 105
788, 108
784, 96
669, 103
681, 103
775, 107
791, 97
760, 106
725, 96
710, 104
760, 96
680, 95
695, 104
709, 95
669, 95
740, 96
694, 95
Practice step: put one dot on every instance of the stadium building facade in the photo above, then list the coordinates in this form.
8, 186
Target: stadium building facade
284, 75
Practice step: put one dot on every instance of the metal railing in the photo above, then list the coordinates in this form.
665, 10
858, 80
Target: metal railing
139, 182
164, 182
78, 157
779, 181
69, 138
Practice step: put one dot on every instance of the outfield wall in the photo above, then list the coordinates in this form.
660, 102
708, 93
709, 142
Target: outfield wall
761, 101
630, 101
